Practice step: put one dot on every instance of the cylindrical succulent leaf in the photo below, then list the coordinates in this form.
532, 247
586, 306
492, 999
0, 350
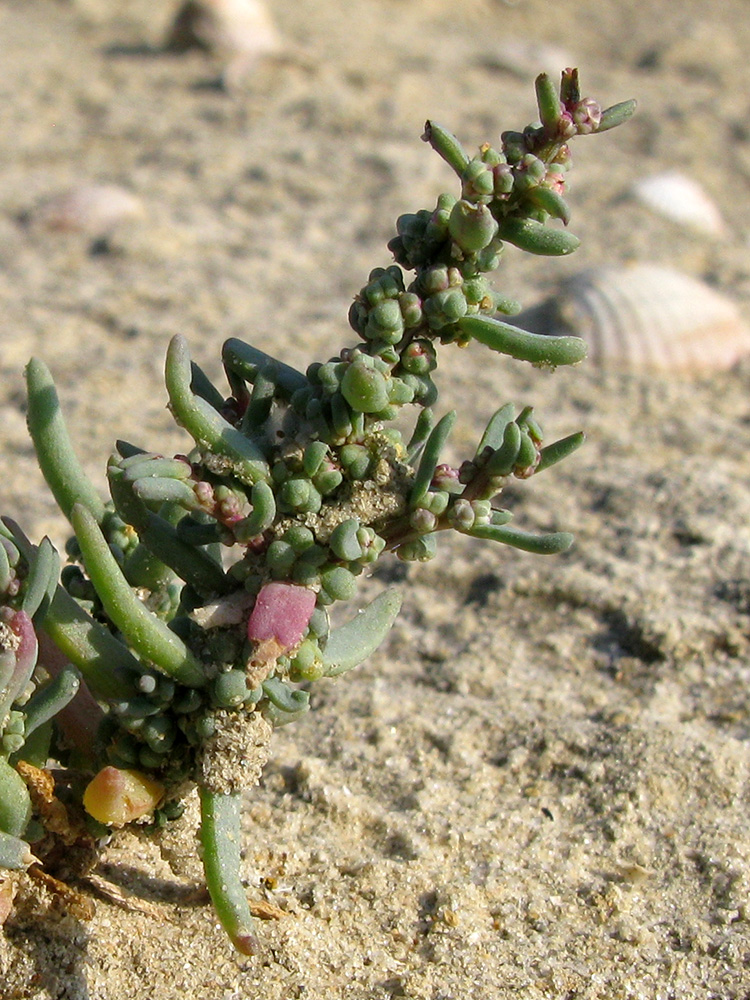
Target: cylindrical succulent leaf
57, 460
351, 643
447, 145
534, 237
537, 348
149, 636
220, 836
218, 439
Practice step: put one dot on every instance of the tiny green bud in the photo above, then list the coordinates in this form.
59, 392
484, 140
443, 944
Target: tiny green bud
420, 550
344, 541
306, 664
355, 459
280, 557
314, 454
229, 689
471, 226
339, 583
364, 388
327, 481
299, 537
422, 520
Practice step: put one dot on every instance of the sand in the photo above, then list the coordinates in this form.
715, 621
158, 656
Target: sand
538, 788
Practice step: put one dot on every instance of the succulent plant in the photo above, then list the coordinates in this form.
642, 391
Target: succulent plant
194, 604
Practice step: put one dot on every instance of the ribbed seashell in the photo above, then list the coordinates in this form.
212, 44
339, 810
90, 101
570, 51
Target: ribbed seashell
238, 31
681, 199
93, 209
644, 318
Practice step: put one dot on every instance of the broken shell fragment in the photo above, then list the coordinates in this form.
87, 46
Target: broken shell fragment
237, 31
644, 318
93, 209
681, 199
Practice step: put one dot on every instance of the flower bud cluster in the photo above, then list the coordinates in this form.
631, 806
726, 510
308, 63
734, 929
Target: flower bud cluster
423, 236
453, 246
466, 514
355, 389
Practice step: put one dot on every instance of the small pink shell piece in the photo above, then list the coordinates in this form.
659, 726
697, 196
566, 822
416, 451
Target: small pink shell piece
282, 612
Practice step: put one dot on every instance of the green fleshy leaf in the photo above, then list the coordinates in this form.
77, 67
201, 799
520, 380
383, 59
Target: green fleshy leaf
193, 565
537, 348
535, 237
558, 450
551, 202
221, 838
495, 429
108, 667
202, 386
214, 435
5, 570
247, 362
154, 467
15, 804
422, 429
351, 643
446, 145
504, 459
284, 704
147, 634
57, 460
548, 102
261, 398
262, 516
158, 490
616, 115
44, 573
542, 545
52, 698
431, 457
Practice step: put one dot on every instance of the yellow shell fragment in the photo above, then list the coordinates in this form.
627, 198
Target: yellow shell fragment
116, 797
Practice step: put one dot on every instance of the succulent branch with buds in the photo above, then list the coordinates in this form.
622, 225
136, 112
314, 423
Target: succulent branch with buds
192, 613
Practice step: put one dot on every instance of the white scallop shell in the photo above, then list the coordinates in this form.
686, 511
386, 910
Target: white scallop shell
94, 209
681, 199
645, 318
236, 30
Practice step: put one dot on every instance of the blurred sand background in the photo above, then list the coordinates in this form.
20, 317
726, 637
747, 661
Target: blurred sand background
539, 787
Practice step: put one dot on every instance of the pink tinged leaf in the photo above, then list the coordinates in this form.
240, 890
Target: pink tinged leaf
282, 612
26, 651
23, 651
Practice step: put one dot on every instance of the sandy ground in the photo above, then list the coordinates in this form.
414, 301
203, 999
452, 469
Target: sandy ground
539, 787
